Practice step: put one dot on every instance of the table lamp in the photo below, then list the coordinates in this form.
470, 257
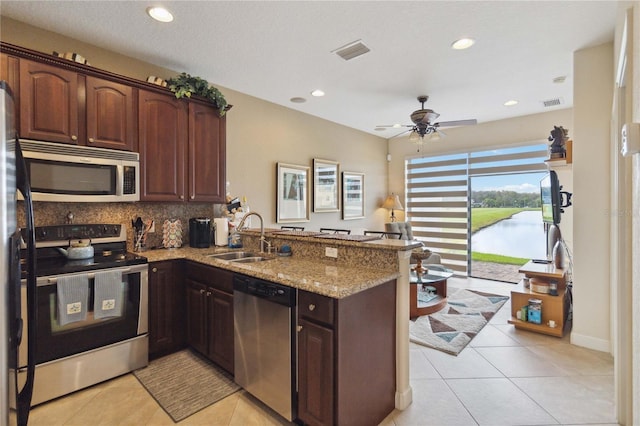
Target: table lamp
392, 203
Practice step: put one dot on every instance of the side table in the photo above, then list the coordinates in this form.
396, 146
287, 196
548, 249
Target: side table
422, 303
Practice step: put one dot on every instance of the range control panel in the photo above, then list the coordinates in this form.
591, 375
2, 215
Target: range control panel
76, 232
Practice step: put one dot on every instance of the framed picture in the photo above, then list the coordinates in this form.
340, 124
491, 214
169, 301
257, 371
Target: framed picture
352, 195
326, 186
292, 198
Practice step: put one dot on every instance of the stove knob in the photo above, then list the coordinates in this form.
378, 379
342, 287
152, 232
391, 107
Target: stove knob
42, 234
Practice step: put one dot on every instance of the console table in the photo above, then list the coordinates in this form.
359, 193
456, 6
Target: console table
554, 308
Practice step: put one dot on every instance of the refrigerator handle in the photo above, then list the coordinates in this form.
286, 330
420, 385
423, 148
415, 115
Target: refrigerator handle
23, 402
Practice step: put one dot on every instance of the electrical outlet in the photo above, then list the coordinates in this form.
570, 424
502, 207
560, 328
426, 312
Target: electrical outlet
331, 252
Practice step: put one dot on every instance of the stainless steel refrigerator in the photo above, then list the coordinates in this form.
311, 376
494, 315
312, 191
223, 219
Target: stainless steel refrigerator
16, 395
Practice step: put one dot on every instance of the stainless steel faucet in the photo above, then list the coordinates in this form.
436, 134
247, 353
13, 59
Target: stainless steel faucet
263, 240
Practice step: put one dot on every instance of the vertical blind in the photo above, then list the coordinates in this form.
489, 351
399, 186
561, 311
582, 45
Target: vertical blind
438, 204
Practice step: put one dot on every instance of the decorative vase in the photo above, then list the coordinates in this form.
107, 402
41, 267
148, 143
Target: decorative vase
558, 255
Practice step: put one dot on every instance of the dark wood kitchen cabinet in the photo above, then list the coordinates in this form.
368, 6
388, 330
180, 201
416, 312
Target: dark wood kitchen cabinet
182, 149
60, 105
210, 313
111, 115
10, 72
166, 308
48, 103
346, 357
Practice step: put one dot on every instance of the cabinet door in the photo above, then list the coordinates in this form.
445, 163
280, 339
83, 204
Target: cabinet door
196, 316
162, 123
163, 308
221, 325
48, 103
207, 154
111, 116
315, 374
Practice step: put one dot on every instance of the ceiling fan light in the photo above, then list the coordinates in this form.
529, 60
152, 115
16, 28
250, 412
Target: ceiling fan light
463, 43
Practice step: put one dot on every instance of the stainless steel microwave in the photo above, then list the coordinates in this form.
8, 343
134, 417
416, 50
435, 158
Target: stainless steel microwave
71, 173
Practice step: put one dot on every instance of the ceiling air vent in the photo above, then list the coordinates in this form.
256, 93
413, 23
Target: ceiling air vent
352, 50
552, 102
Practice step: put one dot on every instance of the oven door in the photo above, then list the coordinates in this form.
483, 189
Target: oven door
56, 341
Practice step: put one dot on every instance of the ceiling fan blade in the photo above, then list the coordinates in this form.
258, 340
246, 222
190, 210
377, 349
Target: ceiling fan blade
395, 125
456, 123
402, 133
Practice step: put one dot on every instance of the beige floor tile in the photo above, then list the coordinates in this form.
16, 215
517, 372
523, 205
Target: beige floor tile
492, 336
249, 411
498, 402
576, 359
420, 367
528, 338
520, 362
433, 404
575, 399
468, 364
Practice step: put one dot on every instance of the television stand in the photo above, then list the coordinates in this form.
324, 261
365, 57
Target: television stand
554, 308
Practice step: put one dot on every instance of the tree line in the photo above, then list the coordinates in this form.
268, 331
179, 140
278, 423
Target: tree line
505, 199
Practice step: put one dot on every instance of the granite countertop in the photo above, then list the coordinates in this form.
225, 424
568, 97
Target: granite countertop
324, 277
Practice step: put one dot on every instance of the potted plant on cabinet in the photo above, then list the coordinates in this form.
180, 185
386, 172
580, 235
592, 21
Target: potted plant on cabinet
187, 85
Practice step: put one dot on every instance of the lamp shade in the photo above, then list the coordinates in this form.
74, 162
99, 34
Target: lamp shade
392, 203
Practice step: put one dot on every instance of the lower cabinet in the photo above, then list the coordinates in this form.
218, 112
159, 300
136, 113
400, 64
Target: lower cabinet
346, 357
166, 308
209, 294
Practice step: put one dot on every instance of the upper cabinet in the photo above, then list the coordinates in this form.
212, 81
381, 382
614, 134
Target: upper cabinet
182, 149
111, 115
163, 122
59, 105
48, 103
207, 154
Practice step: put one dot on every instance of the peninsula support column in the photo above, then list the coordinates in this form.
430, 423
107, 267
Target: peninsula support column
404, 394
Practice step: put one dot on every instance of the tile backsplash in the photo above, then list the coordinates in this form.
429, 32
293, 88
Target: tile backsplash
46, 213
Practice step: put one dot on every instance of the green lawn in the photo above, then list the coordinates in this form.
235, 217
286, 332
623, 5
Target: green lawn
497, 258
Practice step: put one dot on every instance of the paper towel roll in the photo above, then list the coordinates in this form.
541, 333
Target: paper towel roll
222, 231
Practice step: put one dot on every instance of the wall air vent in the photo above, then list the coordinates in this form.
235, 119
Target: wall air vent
552, 102
351, 50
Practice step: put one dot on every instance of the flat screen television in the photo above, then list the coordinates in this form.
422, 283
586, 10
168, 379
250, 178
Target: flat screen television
551, 198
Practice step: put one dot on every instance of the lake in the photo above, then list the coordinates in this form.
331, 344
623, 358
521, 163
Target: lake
520, 236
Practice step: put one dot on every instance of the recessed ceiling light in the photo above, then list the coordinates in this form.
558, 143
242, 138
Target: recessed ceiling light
463, 43
298, 100
317, 93
160, 14
511, 102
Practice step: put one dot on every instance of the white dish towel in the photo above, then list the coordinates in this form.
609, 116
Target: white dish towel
73, 297
108, 294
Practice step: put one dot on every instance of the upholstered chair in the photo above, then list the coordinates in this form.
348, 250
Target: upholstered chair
407, 234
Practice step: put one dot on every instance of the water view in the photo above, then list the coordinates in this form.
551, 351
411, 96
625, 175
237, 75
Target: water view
520, 236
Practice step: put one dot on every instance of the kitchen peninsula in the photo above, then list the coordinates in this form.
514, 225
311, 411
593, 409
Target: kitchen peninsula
352, 308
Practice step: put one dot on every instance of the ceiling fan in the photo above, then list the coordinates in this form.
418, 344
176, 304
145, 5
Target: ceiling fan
424, 124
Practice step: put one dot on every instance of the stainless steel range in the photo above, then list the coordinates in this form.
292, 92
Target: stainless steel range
92, 318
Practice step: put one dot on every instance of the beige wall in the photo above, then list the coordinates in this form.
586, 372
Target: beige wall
593, 97
259, 134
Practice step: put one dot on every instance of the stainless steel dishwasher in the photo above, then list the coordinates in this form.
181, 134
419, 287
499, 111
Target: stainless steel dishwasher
264, 338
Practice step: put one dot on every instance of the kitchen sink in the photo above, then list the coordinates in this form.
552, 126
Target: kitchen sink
249, 259
239, 257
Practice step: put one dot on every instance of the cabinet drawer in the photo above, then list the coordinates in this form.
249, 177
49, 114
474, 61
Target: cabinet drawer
316, 307
219, 279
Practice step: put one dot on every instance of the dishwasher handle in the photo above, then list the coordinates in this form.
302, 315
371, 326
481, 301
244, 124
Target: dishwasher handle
267, 290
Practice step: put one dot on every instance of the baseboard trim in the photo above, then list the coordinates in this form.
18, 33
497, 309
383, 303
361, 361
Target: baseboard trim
590, 342
404, 398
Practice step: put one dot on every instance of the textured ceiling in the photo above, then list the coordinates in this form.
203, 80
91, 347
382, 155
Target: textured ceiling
279, 50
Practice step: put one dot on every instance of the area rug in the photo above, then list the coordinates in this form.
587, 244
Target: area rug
453, 327
184, 383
